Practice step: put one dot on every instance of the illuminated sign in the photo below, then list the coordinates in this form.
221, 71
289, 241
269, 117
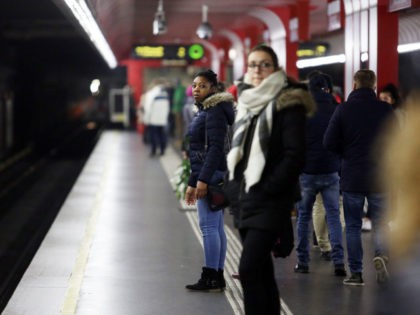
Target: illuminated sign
311, 50
170, 52
196, 51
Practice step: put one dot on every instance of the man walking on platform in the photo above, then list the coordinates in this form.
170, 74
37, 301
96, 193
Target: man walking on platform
320, 175
156, 112
352, 133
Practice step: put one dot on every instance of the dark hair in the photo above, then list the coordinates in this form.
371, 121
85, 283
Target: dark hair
221, 86
393, 90
209, 75
365, 79
268, 50
319, 80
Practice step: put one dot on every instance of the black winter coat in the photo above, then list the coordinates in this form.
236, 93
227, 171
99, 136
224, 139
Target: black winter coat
215, 114
268, 203
352, 132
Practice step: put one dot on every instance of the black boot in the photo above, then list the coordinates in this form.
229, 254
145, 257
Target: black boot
209, 281
221, 279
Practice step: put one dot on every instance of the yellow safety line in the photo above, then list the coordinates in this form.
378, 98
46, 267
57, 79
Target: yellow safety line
76, 279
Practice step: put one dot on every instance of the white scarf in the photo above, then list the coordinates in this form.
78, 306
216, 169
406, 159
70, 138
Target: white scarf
258, 101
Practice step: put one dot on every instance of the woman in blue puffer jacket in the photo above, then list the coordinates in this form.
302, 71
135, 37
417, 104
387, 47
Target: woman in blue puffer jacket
208, 166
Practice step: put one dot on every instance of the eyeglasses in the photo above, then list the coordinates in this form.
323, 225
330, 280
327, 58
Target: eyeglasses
262, 65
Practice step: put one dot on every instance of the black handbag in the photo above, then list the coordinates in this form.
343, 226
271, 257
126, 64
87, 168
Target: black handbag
217, 197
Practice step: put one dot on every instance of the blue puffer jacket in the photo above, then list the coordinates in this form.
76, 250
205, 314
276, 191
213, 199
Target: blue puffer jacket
215, 113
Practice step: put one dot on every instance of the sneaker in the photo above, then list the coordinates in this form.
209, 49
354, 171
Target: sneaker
301, 268
382, 275
366, 225
354, 279
339, 270
326, 256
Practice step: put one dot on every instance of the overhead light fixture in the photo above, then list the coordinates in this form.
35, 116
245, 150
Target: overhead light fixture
204, 30
320, 61
159, 23
403, 48
83, 14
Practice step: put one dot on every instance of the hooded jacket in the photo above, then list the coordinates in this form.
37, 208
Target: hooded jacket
318, 159
214, 115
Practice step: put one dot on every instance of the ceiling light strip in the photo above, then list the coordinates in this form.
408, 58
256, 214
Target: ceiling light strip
83, 14
408, 47
320, 61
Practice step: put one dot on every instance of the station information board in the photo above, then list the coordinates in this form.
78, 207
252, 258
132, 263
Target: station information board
312, 49
169, 52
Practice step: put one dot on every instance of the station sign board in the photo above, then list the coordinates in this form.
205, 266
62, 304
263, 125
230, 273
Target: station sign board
312, 50
169, 52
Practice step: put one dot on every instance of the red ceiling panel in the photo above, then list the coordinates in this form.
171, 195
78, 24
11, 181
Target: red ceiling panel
128, 22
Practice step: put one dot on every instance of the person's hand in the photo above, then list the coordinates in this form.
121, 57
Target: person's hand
190, 196
201, 190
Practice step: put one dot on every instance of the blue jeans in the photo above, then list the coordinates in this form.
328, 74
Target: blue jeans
212, 230
157, 138
353, 213
328, 186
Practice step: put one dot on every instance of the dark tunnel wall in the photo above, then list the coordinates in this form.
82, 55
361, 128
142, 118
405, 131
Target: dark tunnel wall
46, 78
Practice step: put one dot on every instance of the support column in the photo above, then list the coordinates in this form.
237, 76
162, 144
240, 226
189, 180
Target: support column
277, 19
239, 61
303, 18
371, 40
387, 54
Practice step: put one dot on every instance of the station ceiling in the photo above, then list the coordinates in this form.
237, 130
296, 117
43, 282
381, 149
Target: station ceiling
44, 25
128, 22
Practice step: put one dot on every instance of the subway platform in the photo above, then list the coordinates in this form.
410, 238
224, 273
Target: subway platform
122, 244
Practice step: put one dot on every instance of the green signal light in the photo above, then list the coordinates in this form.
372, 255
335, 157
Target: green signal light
196, 51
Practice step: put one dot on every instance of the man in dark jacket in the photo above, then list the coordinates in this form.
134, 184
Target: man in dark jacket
320, 175
352, 132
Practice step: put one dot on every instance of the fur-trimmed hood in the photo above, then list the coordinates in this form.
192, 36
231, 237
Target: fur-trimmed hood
217, 98
223, 99
296, 95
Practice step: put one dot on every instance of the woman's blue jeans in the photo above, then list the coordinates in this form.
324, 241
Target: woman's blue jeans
212, 230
